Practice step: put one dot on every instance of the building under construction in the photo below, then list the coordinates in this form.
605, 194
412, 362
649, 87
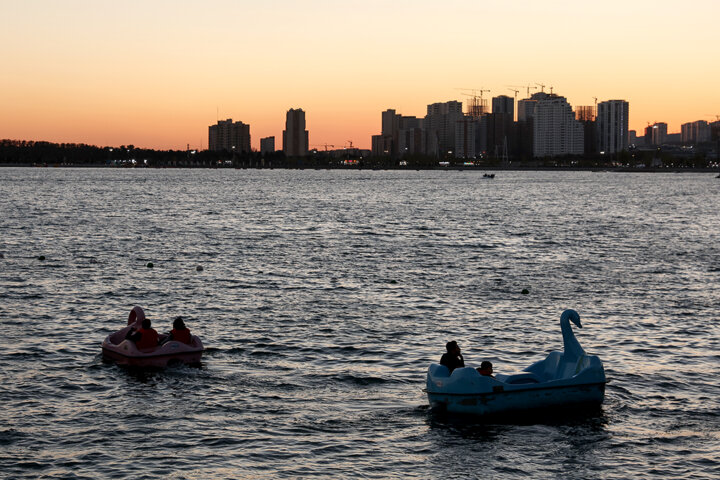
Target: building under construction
586, 114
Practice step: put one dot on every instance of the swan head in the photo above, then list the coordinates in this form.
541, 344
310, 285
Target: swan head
136, 315
571, 315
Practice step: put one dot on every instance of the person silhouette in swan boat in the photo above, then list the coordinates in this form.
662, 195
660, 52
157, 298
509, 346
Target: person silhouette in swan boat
486, 369
452, 359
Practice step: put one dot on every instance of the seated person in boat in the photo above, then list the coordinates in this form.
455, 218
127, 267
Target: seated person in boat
179, 333
145, 336
452, 359
486, 369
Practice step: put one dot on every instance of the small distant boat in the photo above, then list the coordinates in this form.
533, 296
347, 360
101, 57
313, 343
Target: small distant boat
488, 175
117, 348
563, 379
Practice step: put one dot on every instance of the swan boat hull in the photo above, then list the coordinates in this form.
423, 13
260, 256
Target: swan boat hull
505, 397
125, 353
570, 378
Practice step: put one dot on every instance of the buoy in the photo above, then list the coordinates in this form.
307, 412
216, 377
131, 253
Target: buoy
525, 291
150, 265
41, 257
199, 268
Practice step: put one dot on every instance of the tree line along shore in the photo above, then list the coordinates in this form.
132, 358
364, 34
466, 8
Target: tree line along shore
32, 153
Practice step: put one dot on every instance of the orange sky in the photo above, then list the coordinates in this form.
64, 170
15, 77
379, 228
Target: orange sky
155, 73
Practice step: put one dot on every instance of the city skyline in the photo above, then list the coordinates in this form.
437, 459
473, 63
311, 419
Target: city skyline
145, 74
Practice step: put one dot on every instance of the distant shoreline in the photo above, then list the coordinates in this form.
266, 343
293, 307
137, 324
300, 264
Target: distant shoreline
448, 168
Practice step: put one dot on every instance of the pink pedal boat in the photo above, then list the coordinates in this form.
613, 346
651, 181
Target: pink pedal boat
117, 348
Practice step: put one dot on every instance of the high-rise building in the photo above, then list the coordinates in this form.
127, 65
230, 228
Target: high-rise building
386, 144
555, 129
500, 131
633, 138
715, 131
647, 138
585, 114
267, 145
500, 126
612, 126
465, 137
695, 133
411, 141
381, 145
657, 134
295, 136
524, 128
439, 125
526, 109
411, 137
390, 122
504, 104
229, 136
391, 130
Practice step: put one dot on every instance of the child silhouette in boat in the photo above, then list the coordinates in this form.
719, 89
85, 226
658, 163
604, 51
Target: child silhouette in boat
453, 359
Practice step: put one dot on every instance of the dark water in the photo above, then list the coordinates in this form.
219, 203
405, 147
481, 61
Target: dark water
324, 297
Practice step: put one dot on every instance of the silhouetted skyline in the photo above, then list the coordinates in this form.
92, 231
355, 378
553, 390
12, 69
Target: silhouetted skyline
137, 72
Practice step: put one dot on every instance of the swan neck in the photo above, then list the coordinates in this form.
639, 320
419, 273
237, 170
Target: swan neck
571, 345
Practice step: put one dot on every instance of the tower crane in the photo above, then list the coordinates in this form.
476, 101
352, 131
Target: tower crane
477, 106
528, 87
542, 87
514, 102
326, 145
474, 92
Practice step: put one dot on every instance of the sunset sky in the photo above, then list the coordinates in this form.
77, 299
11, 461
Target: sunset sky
157, 73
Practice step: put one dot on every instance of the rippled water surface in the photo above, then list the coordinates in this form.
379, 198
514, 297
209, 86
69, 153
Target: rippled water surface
324, 296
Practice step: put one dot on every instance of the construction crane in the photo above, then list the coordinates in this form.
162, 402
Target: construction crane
717, 117
514, 102
351, 145
477, 105
528, 87
542, 87
473, 90
326, 145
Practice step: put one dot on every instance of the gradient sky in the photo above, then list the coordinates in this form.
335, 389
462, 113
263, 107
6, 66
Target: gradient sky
156, 73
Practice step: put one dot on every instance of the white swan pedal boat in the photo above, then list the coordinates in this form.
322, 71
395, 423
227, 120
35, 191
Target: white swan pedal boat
563, 379
117, 348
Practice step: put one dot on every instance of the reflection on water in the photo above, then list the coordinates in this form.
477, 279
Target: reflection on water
512, 445
322, 298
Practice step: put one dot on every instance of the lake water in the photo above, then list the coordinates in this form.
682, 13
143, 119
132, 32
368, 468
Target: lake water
323, 298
